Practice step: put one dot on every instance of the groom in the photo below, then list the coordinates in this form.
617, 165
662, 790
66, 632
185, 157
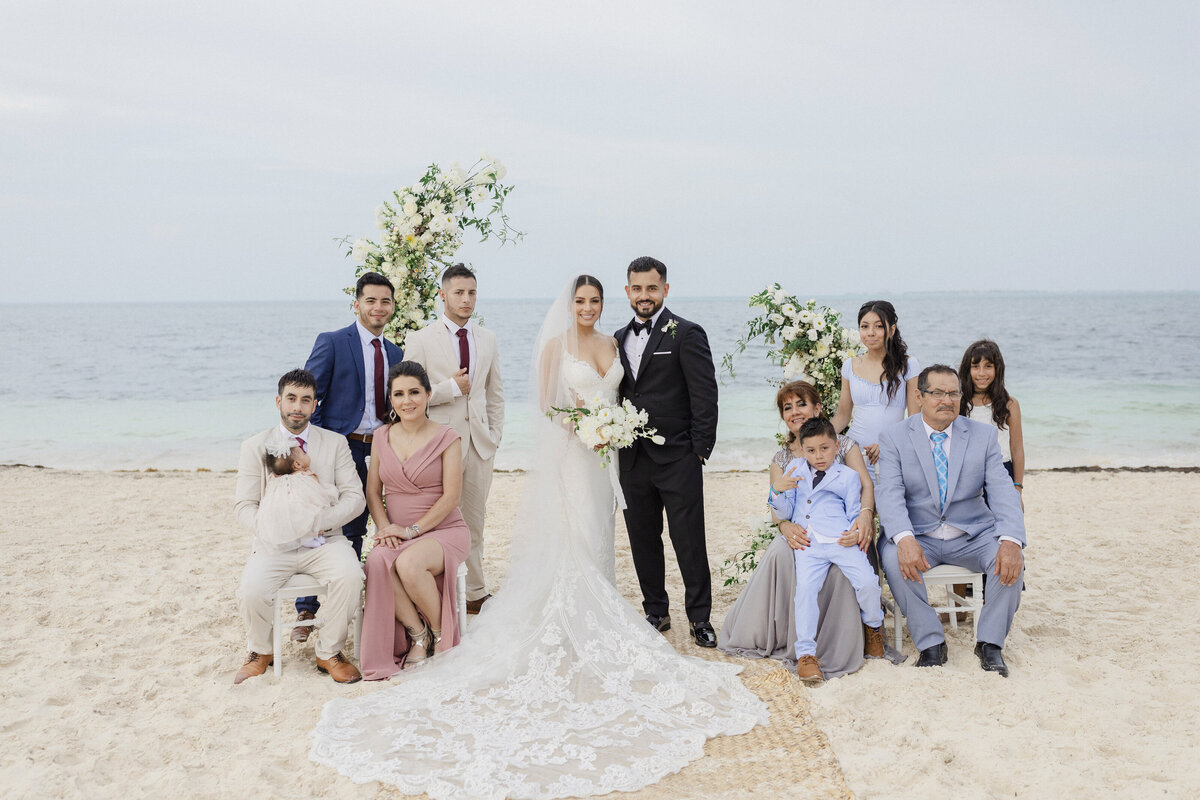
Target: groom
669, 373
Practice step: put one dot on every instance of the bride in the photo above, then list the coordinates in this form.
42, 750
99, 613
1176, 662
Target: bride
559, 688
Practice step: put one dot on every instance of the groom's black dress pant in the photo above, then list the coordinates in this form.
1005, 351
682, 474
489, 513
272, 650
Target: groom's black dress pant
677, 487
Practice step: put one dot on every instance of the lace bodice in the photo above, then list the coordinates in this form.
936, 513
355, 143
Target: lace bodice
585, 382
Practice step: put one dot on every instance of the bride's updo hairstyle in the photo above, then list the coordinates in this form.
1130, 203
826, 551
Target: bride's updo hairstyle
588, 280
895, 353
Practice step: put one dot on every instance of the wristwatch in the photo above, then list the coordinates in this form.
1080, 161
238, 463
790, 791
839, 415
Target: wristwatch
416, 529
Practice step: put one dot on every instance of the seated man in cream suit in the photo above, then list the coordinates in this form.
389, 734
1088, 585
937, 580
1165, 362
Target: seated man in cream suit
460, 357
332, 562
933, 469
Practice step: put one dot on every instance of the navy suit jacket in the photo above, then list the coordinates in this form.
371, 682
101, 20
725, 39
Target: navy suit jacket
336, 362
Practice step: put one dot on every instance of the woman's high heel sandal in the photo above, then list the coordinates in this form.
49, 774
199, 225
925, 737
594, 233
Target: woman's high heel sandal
418, 651
434, 638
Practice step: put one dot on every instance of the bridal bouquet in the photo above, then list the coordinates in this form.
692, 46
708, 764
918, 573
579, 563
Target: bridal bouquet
422, 228
806, 339
605, 428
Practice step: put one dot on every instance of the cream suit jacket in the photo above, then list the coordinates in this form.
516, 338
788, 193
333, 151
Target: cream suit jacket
332, 463
478, 416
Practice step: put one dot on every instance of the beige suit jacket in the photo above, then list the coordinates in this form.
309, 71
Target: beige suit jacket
478, 416
331, 461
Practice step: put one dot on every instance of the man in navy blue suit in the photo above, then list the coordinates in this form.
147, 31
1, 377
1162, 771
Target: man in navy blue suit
351, 367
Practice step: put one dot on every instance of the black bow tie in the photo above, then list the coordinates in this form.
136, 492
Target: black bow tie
817, 477
636, 327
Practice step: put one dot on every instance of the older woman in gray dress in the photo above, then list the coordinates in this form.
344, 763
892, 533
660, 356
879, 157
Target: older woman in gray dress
760, 624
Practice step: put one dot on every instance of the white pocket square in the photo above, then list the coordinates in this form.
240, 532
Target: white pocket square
662, 352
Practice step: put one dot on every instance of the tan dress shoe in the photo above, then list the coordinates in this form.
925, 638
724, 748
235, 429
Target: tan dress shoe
809, 669
872, 641
474, 606
301, 634
255, 665
339, 669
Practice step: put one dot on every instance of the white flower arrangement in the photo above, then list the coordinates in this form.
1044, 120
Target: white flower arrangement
605, 428
670, 328
807, 341
421, 230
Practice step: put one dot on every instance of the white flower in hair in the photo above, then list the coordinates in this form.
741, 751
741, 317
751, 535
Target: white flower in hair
280, 445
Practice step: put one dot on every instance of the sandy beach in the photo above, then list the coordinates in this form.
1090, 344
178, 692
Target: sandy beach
119, 595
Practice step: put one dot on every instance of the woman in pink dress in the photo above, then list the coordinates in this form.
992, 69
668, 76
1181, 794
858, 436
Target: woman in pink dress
413, 487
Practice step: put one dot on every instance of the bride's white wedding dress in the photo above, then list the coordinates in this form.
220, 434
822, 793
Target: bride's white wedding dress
559, 687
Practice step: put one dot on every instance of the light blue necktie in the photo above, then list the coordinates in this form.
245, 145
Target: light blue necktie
940, 464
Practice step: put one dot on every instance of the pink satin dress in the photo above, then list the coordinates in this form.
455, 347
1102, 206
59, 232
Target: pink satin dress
410, 488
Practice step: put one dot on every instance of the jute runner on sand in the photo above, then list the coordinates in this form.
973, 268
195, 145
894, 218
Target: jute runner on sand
790, 757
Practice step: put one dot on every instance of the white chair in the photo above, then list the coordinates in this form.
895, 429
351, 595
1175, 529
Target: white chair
301, 585
460, 600
945, 576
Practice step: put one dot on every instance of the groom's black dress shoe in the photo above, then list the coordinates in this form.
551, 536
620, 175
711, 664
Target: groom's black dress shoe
990, 658
704, 634
660, 624
933, 656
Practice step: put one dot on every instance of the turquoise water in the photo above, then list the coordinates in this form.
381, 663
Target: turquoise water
1103, 379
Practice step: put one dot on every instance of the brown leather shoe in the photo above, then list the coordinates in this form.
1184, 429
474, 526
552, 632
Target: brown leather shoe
473, 606
255, 665
302, 634
809, 669
872, 641
339, 669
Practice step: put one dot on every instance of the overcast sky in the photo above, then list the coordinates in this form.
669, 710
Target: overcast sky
213, 150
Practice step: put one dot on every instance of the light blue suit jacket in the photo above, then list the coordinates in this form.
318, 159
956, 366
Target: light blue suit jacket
831, 508
906, 488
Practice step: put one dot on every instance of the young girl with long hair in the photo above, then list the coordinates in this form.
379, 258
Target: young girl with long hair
984, 398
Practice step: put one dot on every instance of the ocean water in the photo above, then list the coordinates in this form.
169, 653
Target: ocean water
1103, 379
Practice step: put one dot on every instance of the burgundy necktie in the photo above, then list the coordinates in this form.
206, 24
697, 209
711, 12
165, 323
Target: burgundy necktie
303, 449
380, 411
464, 352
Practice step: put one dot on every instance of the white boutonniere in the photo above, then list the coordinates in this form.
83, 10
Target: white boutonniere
670, 328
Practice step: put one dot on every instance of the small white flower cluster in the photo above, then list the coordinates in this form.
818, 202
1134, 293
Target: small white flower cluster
606, 428
422, 229
811, 342
739, 565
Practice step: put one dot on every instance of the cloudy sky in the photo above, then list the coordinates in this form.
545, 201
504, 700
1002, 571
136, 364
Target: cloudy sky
214, 150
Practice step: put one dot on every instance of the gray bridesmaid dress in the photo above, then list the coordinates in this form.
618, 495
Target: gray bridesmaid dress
761, 622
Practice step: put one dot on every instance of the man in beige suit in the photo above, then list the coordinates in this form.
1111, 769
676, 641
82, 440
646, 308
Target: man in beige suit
332, 561
460, 357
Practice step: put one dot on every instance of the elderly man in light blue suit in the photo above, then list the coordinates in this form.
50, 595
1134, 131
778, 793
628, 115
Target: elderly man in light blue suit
932, 471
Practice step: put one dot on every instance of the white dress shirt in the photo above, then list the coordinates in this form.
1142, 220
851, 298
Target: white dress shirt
945, 531
635, 344
453, 333
370, 420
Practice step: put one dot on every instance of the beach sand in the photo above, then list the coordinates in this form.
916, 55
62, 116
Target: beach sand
119, 600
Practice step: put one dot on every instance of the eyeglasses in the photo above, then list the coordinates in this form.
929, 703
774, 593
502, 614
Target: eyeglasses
938, 394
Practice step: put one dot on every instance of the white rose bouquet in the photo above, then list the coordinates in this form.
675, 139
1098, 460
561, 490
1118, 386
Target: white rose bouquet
421, 230
806, 339
606, 428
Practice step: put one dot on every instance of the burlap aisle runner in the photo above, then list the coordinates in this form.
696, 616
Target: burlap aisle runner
790, 757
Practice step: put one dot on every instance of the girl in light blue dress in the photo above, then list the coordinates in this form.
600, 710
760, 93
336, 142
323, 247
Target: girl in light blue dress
879, 388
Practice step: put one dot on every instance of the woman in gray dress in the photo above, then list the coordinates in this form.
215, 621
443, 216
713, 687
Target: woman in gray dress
760, 624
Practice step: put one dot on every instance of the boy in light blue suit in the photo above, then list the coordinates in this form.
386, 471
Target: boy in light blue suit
823, 497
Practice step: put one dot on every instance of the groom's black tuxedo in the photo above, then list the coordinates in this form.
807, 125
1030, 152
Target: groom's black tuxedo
676, 384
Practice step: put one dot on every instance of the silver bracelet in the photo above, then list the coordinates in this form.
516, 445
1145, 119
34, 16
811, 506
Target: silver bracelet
416, 529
